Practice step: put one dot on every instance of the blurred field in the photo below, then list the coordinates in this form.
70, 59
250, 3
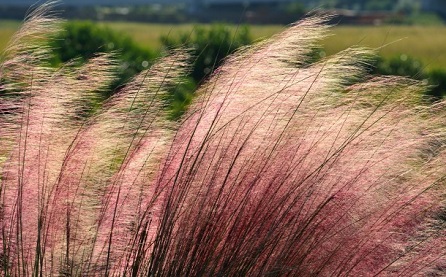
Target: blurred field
426, 43
422, 42
7, 29
149, 34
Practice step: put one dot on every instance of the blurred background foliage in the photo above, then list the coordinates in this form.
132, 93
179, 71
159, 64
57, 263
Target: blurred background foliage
82, 40
136, 45
209, 45
404, 65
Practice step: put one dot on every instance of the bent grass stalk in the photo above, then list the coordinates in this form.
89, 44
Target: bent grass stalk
280, 167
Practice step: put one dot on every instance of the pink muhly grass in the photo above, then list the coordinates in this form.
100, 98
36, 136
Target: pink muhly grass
280, 167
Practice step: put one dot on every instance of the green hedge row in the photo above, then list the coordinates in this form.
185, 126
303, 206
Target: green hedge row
82, 40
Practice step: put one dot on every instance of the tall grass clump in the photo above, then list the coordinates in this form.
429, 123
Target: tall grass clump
280, 167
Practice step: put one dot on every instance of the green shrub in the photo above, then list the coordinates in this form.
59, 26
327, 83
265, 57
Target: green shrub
180, 97
83, 40
210, 46
437, 78
402, 65
410, 67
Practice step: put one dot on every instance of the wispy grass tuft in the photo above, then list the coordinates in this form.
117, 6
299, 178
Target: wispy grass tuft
280, 167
